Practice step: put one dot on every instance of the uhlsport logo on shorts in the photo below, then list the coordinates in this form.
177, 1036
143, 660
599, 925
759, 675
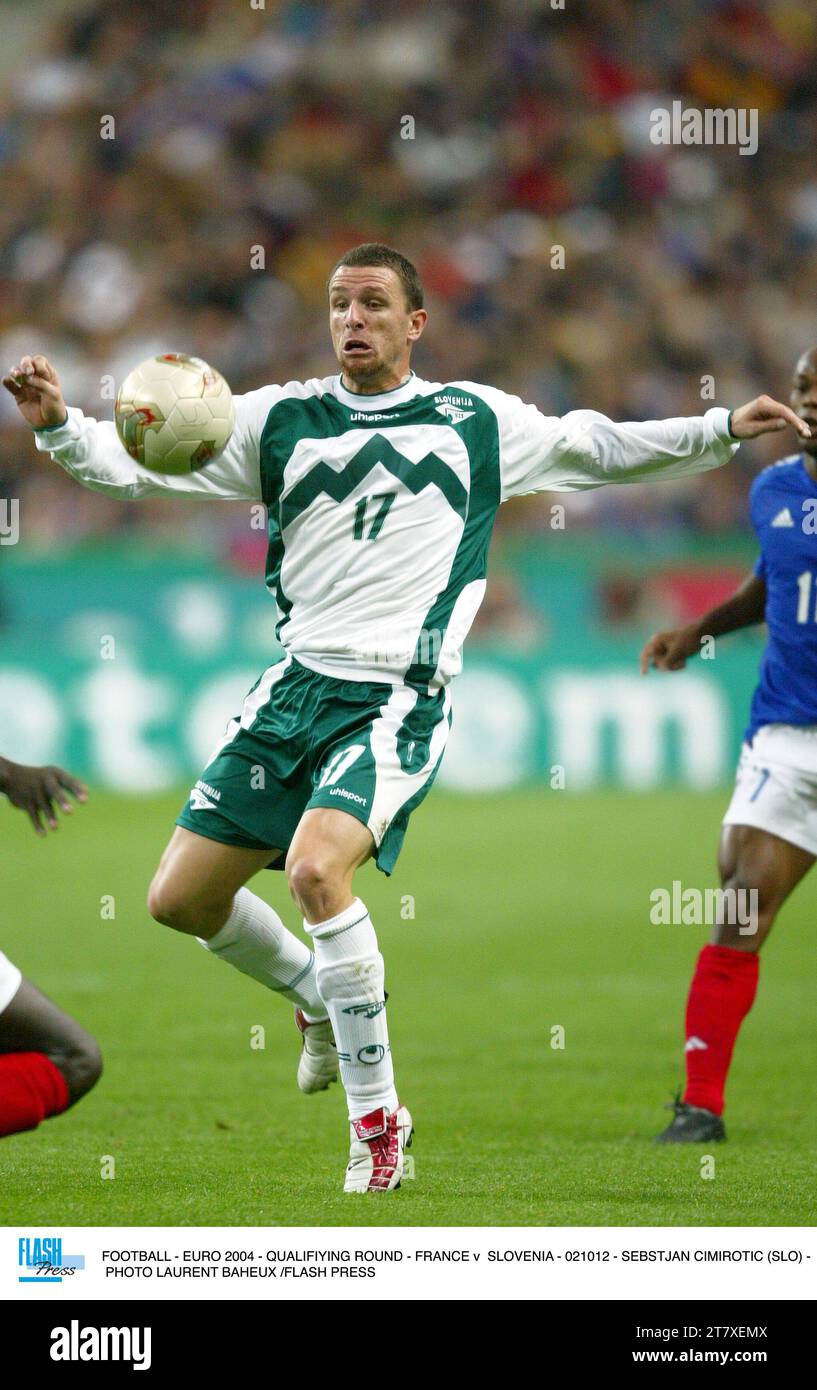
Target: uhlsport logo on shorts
40, 1260
75, 1343
348, 796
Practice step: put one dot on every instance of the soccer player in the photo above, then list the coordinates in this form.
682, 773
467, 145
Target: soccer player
382, 491
47, 1061
769, 834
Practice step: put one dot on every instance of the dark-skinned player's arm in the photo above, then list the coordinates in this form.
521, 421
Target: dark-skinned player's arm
38, 790
48, 1061
670, 650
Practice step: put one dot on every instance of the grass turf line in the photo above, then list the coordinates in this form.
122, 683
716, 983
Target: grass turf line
531, 911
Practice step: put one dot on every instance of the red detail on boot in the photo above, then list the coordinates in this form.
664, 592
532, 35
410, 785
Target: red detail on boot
303, 1022
371, 1126
378, 1129
721, 994
31, 1088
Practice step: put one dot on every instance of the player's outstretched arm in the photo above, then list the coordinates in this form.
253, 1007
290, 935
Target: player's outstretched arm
91, 451
670, 650
584, 449
35, 790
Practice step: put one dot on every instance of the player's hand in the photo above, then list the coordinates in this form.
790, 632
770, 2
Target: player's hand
669, 651
36, 790
763, 416
35, 386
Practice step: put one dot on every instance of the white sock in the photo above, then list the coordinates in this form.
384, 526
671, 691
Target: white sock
351, 978
256, 942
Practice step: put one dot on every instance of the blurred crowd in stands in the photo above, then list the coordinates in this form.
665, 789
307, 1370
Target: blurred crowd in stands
476, 137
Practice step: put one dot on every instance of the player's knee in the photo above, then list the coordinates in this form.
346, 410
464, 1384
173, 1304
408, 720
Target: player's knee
171, 904
313, 881
168, 906
748, 911
159, 904
80, 1063
747, 890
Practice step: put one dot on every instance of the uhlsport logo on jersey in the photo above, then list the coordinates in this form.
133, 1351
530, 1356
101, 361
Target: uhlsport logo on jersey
75, 1343
41, 1260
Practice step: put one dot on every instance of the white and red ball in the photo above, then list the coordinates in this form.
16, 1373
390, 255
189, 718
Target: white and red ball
174, 414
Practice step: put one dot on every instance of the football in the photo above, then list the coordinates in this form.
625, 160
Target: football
174, 414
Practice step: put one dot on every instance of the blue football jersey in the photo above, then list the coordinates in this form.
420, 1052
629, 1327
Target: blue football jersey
783, 504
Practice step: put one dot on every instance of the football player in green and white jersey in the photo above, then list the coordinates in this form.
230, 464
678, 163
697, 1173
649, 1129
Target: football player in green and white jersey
382, 491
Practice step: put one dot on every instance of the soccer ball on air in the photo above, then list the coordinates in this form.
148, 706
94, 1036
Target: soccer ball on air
174, 413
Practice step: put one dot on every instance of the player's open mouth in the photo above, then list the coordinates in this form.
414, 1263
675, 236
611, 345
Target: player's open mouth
356, 346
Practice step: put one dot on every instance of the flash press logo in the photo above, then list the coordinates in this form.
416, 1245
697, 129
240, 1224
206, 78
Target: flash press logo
40, 1260
75, 1343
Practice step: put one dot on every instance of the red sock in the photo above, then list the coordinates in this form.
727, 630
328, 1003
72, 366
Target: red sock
31, 1088
721, 994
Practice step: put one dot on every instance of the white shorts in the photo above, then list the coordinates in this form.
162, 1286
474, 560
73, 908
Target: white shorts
776, 784
10, 978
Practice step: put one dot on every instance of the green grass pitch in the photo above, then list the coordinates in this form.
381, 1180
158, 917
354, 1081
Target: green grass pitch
531, 911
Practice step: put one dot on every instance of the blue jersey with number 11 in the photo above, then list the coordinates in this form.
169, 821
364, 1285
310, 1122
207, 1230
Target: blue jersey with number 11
784, 514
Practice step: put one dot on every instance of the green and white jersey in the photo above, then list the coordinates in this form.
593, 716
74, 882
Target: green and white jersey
381, 507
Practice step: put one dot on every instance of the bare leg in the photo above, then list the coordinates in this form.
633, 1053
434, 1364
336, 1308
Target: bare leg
327, 848
197, 879
725, 980
749, 858
32, 1023
199, 889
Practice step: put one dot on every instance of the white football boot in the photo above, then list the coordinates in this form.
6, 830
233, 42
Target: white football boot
376, 1153
318, 1066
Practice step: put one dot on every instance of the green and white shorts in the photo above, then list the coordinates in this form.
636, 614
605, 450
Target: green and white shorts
302, 740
